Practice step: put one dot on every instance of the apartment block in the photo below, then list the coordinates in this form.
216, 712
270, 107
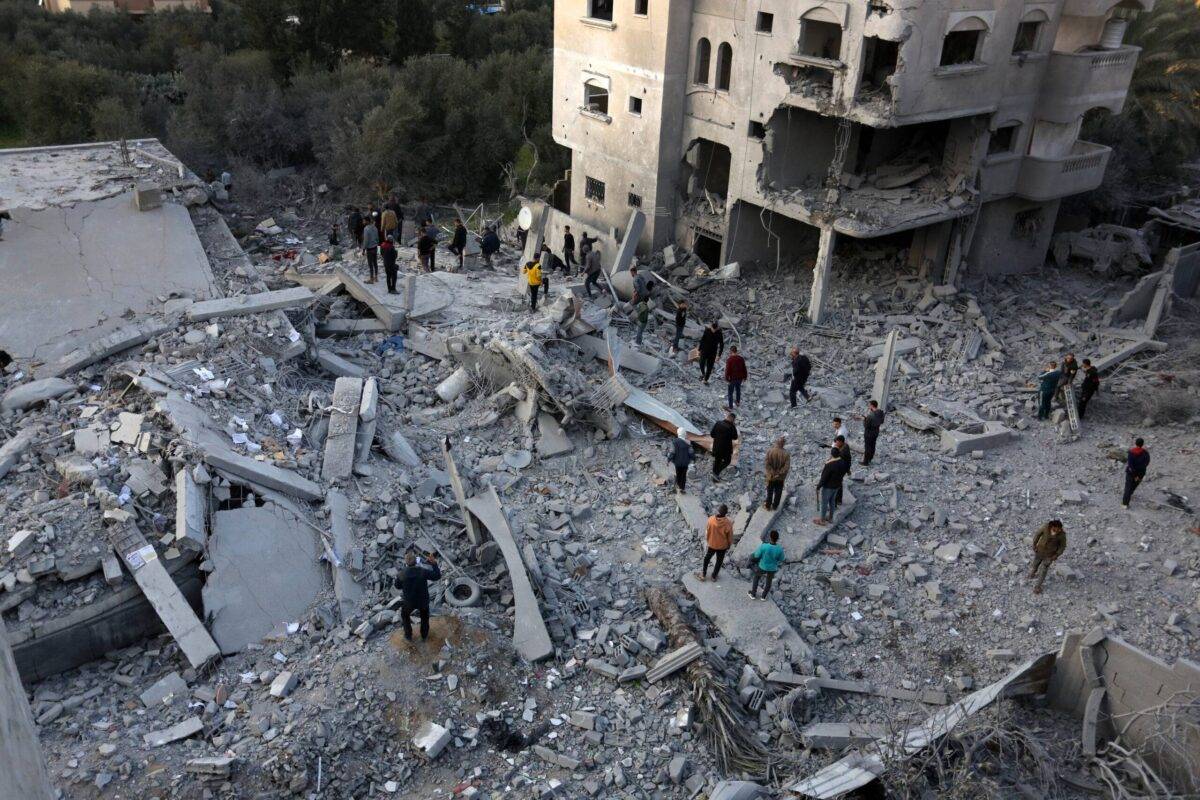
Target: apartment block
776, 130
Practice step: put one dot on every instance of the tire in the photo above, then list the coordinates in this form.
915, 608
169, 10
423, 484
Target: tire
462, 592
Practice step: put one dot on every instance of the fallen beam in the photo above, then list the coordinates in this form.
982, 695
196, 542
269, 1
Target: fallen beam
119, 340
632, 359
191, 512
239, 305
260, 472
530, 637
1109, 361
346, 590
343, 425
160, 590
840, 735
368, 421
674, 661
934, 697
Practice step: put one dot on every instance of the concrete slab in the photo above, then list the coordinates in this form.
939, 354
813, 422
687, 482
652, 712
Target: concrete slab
756, 628
693, 512
431, 296
801, 537
530, 637
343, 425
629, 242
762, 520
368, 420
167, 600
26, 395
22, 767
630, 359
120, 259
266, 573
261, 472
336, 365
191, 512
427, 342
295, 297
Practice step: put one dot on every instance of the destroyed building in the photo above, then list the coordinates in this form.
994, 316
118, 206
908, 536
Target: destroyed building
781, 129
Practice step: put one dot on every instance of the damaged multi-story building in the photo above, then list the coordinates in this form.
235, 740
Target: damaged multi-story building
776, 130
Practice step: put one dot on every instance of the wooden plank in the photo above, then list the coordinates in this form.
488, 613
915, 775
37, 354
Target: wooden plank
168, 602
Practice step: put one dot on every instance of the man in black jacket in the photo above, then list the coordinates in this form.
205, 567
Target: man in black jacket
724, 434
568, 249
847, 458
413, 584
458, 243
1136, 462
712, 345
828, 486
1090, 385
801, 367
872, 422
681, 309
681, 458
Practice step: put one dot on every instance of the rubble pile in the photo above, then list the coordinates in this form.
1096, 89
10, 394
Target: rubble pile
281, 456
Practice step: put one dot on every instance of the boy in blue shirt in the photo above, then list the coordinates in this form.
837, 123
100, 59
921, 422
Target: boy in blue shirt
767, 558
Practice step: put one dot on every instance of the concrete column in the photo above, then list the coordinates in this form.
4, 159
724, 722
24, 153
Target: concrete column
821, 269
22, 768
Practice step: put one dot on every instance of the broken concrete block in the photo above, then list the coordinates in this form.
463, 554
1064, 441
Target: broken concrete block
191, 512
283, 684
147, 197
76, 470
295, 297
985, 436
164, 690
189, 727
431, 739
21, 543
454, 385
915, 573
948, 552
343, 425
27, 395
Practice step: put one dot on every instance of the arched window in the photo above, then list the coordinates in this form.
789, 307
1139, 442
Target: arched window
1029, 31
703, 56
964, 42
724, 66
821, 34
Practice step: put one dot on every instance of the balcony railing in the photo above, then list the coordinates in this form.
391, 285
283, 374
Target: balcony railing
1078, 82
1082, 170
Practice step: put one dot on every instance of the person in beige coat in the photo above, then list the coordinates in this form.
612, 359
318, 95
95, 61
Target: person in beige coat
776, 467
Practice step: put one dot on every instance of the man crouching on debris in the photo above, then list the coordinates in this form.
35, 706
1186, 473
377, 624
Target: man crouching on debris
413, 584
1048, 544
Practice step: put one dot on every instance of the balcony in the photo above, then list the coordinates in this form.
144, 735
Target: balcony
1043, 179
1078, 82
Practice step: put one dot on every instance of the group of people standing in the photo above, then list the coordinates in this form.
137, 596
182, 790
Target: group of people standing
1053, 383
537, 272
377, 233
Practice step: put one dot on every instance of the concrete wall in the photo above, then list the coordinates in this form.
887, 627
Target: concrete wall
1135, 682
22, 769
556, 222
995, 250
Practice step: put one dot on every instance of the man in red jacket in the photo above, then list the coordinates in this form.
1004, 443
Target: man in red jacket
735, 373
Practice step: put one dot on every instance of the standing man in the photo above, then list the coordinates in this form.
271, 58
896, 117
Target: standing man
643, 289
414, 586
426, 245
839, 443
1047, 386
712, 345
681, 309
432, 232
735, 376
370, 246
533, 275
458, 243
389, 224
585, 246
489, 245
801, 367
1136, 462
388, 251
830, 481
767, 558
1089, 387
724, 434
568, 249
1069, 367
777, 465
718, 537
1048, 544
356, 224
682, 456
872, 422
593, 268
643, 319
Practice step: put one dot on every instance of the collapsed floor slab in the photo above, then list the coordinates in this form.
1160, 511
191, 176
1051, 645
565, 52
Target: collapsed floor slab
265, 573
758, 630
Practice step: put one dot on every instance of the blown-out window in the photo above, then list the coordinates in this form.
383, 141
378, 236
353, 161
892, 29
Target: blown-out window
703, 56
724, 66
964, 42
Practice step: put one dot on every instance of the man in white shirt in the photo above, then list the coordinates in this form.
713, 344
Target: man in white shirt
839, 429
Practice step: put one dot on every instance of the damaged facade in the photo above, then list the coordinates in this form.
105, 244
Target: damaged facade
780, 130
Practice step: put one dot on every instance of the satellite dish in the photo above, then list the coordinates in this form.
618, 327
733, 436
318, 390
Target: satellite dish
525, 218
